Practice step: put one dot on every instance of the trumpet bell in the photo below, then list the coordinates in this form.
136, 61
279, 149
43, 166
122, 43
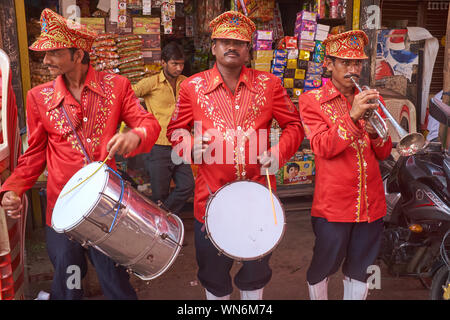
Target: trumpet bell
410, 144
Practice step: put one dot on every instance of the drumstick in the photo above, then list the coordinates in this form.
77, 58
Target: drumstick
122, 126
271, 196
85, 179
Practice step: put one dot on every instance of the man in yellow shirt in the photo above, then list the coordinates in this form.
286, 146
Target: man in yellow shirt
160, 93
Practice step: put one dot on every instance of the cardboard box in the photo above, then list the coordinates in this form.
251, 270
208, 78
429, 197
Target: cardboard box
263, 54
96, 25
300, 73
307, 35
321, 35
323, 27
280, 54
302, 64
261, 66
146, 25
291, 63
277, 69
151, 41
262, 45
305, 25
291, 42
151, 56
292, 54
289, 73
304, 55
298, 172
299, 83
264, 35
307, 15
280, 62
288, 83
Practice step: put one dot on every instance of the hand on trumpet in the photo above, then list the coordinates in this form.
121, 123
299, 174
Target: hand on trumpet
363, 102
373, 134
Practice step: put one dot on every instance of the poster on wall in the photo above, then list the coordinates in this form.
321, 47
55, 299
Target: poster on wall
394, 56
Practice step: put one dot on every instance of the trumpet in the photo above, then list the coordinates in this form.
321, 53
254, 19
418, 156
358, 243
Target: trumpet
409, 144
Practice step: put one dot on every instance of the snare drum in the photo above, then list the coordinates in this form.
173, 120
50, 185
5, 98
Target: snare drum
240, 221
105, 212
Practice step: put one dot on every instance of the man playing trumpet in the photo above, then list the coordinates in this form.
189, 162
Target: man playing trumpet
349, 201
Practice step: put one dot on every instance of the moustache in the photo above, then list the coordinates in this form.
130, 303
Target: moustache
50, 66
232, 52
351, 75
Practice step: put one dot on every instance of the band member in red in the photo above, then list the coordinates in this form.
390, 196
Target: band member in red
349, 202
232, 101
72, 121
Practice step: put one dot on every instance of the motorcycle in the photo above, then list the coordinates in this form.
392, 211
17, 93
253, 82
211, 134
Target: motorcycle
415, 240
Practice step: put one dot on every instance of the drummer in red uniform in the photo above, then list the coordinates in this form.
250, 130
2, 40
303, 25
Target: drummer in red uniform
349, 201
222, 104
72, 121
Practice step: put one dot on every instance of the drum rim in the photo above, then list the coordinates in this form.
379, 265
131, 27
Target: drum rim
82, 218
211, 197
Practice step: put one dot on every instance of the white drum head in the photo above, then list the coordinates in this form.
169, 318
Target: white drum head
240, 220
71, 208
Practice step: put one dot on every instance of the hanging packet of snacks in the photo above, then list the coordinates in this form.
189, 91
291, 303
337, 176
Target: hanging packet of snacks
146, 7
122, 14
167, 15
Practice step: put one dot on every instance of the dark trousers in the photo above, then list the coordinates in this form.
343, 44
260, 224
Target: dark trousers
357, 244
214, 268
162, 170
69, 260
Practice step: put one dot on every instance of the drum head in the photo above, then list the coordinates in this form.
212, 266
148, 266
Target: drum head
240, 220
71, 208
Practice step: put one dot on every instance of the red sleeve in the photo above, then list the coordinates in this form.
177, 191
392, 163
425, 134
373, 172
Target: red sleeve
327, 142
287, 116
180, 125
143, 123
32, 163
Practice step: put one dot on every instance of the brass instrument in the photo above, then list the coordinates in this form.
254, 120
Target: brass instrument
409, 143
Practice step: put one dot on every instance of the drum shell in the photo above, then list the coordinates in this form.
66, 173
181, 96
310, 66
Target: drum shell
145, 238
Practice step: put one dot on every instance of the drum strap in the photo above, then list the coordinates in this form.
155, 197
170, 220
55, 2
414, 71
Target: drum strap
76, 135
74, 131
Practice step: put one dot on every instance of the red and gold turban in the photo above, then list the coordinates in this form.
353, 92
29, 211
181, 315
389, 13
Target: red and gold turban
232, 25
57, 33
347, 45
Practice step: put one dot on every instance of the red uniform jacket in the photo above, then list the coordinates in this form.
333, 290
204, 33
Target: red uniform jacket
106, 100
206, 104
348, 180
